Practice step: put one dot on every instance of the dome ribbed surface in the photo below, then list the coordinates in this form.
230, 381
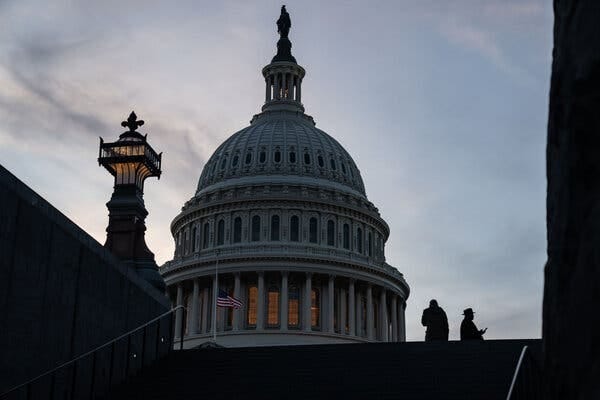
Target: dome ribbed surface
283, 145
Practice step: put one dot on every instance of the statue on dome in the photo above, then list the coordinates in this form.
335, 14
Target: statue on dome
284, 23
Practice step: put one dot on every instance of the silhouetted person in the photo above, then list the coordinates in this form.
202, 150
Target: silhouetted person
436, 321
468, 330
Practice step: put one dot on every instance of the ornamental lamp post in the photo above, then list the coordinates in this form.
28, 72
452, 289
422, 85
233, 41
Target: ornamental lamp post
130, 160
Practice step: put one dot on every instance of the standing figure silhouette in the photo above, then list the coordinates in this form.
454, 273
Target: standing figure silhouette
468, 330
436, 321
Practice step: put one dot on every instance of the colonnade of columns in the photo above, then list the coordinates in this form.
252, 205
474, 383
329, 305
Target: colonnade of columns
342, 306
283, 86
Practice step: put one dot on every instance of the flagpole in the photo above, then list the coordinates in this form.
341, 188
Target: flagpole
216, 289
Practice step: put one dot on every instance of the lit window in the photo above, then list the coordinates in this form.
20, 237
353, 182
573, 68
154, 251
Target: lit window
273, 306
293, 306
252, 305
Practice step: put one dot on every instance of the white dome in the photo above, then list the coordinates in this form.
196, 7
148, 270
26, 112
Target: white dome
281, 147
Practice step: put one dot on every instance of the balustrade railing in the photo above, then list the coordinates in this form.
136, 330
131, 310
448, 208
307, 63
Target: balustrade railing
93, 373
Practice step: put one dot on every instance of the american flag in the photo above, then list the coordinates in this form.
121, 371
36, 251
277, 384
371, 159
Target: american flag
225, 300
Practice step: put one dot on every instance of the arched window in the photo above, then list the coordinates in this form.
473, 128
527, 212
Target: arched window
306, 158
194, 239
273, 306
292, 157
359, 240
294, 228
346, 238
221, 233
315, 307
330, 233
343, 167
275, 227
205, 235
333, 165
370, 244
237, 230
312, 230
320, 161
248, 157
224, 162
293, 306
262, 157
255, 228
235, 161
252, 306
277, 156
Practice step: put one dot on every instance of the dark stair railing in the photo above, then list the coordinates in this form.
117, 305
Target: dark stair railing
527, 379
93, 373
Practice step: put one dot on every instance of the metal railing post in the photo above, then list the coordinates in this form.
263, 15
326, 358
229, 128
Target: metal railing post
93, 384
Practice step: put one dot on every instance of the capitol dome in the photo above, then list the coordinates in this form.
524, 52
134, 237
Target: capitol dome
281, 228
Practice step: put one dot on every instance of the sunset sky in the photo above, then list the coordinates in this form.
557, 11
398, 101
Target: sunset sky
442, 104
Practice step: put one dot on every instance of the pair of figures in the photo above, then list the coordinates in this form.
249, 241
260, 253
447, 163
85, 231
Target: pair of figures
436, 321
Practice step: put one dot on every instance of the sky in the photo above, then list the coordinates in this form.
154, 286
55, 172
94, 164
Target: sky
442, 104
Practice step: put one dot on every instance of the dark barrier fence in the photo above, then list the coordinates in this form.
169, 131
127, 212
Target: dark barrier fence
92, 374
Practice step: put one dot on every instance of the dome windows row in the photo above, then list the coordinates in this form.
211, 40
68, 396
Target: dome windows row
326, 231
325, 163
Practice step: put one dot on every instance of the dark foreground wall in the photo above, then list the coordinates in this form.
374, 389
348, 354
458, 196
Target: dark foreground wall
571, 330
61, 292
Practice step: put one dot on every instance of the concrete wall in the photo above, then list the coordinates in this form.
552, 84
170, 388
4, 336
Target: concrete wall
61, 292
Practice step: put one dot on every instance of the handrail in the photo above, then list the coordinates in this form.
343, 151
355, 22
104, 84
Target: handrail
514, 379
96, 349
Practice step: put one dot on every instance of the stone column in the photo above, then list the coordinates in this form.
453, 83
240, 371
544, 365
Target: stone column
330, 305
402, 330
307, 303
260, 311
193, 329
383, 323
268, 90
214, 324
352, 309
394, 318
236, 293
370, 324
283, 311
205, 301
179, 312
342, 311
